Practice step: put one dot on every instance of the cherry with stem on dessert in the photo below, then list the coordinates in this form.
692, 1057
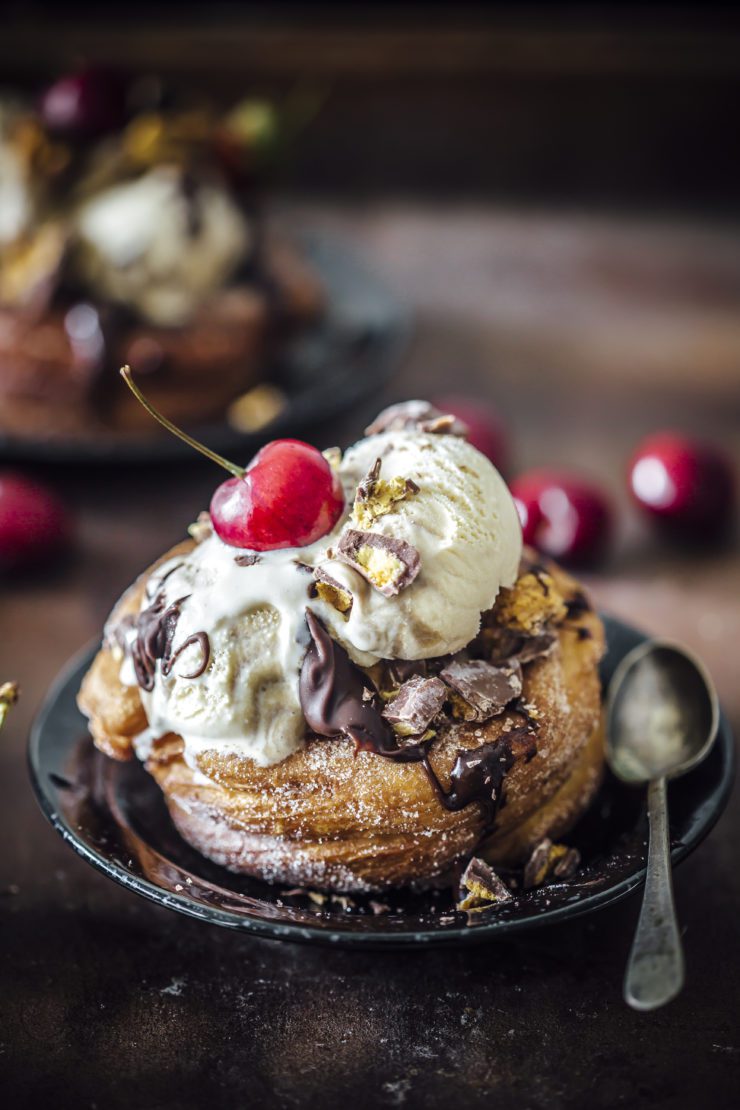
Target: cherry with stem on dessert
685, 486
562, 515
486, 430
34, 525
288, 495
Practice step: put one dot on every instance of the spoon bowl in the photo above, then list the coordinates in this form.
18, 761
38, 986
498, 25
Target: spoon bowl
662, 713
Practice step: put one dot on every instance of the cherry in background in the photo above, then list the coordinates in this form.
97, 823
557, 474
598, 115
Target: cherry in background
563, 516
35, 527
85, 104
486, 428
685, 486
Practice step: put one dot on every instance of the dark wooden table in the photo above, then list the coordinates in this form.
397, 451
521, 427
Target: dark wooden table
586, 333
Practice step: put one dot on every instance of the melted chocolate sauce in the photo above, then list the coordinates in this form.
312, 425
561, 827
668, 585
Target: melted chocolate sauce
478, 774
333, 694
155, 634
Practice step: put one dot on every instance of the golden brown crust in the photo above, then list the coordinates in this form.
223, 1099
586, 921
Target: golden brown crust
328, 817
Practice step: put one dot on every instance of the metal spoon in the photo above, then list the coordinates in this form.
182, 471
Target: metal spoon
662, 716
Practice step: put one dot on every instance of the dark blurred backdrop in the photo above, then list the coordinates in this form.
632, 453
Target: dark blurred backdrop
621, 106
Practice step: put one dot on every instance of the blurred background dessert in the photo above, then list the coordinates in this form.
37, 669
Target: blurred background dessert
132, 231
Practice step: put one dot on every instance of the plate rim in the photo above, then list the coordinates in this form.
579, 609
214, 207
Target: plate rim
412, 938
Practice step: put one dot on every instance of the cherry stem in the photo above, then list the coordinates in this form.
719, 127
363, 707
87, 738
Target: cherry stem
237, 471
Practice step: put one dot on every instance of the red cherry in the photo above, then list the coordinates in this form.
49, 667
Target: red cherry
685, 485
34, 525
563, 515
87, 103
486, 428
289, 497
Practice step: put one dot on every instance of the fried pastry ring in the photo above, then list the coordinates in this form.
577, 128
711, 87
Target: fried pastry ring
331, 818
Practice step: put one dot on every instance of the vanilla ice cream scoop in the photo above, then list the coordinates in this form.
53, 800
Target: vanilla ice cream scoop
463, 523
236, 635
161, 243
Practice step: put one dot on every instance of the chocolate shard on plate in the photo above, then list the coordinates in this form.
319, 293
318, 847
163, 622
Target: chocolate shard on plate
388, 564
550, 860
485, 689
416, 416
416, 705
377, 496
332, 592
481, 887
247, 560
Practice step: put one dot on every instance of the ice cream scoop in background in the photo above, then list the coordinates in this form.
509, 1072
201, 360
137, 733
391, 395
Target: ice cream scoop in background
161, 243
461, 520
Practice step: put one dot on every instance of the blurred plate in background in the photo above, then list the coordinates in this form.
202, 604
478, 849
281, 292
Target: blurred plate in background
342, 359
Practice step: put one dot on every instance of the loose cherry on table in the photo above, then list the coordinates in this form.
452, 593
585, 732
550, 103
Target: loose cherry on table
34, 525
486, 429
685, 486
288, 496
87, 103
563, 515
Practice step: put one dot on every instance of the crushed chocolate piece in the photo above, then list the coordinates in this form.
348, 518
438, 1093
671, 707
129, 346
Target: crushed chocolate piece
550, 860
333, 456
248, 560
416, 416
332, 592
304, 567
481, 887
530, 604
401, 670
501, 644
485, 689
377, 496
388, 564
202, 528
416, 705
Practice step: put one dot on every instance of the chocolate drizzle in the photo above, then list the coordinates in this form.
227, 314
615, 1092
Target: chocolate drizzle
333, 694
156, 627
478, 774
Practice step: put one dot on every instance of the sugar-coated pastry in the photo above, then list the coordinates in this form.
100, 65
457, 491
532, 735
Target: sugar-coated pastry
368, 709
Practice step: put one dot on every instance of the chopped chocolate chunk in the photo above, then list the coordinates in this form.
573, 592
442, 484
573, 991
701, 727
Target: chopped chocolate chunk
388, 564
303, 567
531, 603
416, 416
332, 592
333, 456
550, 860
484, 688
502, 644
481, 887
247, 560
417, 704
202, 528
401, 670
377, 496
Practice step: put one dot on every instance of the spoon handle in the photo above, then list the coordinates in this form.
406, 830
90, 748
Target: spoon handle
655, 972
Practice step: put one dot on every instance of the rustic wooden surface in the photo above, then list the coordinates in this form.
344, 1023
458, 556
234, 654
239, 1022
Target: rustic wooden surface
586, 334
